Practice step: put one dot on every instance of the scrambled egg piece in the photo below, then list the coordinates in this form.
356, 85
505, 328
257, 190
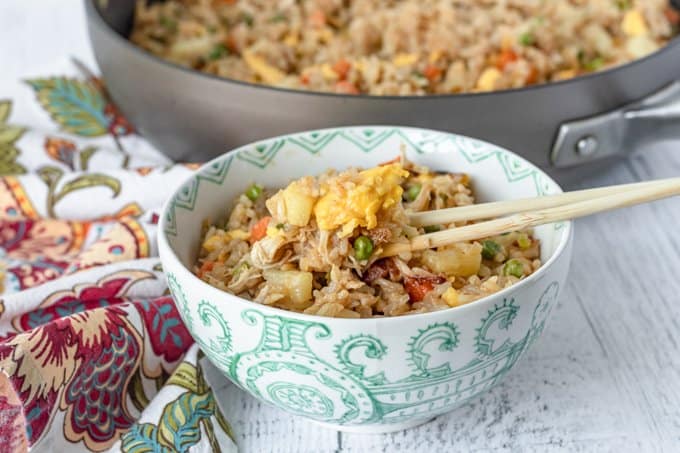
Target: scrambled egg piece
352, 205
345, 201
634, 24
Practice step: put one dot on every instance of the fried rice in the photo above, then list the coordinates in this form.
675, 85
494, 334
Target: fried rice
315, 246
408, 47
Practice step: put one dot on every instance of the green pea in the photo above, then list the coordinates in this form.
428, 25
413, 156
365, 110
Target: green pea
278, 17
490, 249
514, 267
248, 19
280, 226
218, 52
432, 228
168, 23
363, 248
412, 192
523, 241
253, 192
594, 64
527, 39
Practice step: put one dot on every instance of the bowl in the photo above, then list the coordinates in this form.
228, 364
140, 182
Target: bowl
363, 375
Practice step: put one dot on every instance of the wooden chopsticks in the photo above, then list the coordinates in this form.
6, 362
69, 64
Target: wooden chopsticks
529, 212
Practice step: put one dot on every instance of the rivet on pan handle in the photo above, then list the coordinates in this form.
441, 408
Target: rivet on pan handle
654, 119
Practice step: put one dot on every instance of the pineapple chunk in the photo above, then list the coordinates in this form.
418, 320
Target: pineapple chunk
296, 286
461, 260
299, 202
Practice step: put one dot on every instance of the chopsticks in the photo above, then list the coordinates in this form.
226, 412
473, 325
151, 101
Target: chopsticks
529, 212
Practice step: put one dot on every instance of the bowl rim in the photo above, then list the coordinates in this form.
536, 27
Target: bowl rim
93, 12
167, 253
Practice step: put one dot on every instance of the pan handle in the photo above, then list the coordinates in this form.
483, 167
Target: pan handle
655, 118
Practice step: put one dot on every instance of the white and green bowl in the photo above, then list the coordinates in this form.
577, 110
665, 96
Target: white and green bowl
366, 375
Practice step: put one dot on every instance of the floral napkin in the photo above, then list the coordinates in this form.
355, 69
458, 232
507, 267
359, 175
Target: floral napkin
93, 354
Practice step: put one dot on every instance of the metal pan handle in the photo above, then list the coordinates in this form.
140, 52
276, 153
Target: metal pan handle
655, 118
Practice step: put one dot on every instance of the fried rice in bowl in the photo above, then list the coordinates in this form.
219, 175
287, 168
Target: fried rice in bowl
341, 337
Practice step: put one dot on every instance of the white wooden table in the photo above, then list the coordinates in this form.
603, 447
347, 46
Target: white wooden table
605, 375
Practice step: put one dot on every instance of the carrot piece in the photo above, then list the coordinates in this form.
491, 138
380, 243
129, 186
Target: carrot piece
506, 57
304, 79
418, 287
341, 68
207, 266
259, 230
432, 73
346, 87
317, 18
532, 77
673, 16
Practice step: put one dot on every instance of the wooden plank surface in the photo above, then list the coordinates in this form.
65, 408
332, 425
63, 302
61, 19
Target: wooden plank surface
604, 377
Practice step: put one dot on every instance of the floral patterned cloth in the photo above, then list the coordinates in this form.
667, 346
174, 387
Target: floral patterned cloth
93, 354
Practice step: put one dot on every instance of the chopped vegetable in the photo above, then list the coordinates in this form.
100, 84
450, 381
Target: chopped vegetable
432, 73
363, 248
418, 287
170, 24
594, 64
412, 192
207, 266
218, 52
253, 192
513, 267
247, 19
278, 17
506, 57
259, 230
296, 286
432, 228
527, 39
490, 249
523, 241
461, 259
341, 68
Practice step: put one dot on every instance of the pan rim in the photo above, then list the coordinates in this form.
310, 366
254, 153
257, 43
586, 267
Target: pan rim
94, 14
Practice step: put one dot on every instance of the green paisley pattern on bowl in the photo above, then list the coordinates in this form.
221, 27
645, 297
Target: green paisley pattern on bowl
283, 368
